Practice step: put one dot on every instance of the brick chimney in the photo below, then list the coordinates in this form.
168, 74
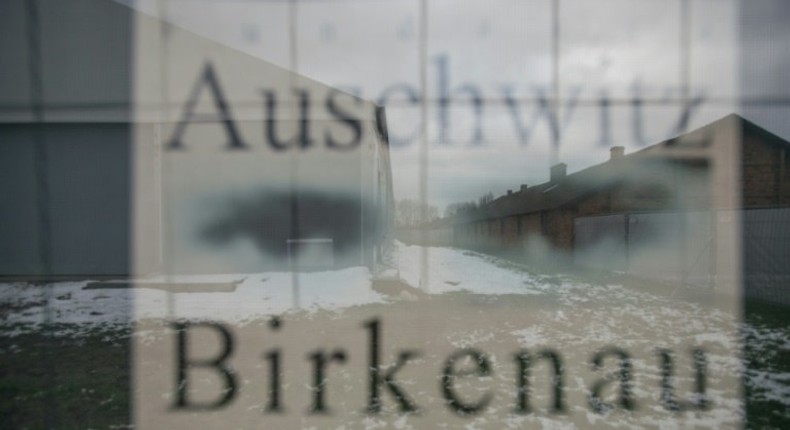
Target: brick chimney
558, 172
616, 152
523, 188
509, 192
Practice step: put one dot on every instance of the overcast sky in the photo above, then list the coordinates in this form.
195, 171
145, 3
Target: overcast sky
501, 52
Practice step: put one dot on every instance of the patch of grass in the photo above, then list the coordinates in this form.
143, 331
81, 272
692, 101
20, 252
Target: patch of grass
765, 350
65, 382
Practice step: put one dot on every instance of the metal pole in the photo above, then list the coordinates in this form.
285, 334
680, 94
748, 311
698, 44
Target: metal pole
555, 98
294, 64
423, 157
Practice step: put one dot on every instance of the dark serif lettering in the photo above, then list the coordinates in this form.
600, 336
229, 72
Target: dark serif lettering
482, 367
320, 360
218, 363
623, 376
210, 80
524, 361
378, 378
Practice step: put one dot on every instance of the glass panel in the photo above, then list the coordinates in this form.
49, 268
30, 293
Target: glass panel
387, 213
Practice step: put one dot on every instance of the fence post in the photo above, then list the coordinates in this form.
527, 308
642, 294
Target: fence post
626, 244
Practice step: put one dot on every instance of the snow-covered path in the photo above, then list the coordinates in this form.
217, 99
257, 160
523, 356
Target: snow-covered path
264, 294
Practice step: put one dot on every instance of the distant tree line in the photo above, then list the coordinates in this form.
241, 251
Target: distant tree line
412, 212
464, 207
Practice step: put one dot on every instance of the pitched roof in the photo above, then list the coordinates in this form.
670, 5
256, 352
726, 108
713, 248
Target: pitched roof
639, 166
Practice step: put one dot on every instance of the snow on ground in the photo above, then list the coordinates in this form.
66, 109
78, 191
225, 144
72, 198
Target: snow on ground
767, 343
255, 295
456, 270
276, 293
262, 294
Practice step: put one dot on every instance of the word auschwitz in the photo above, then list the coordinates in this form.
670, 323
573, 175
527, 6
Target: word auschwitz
524, 121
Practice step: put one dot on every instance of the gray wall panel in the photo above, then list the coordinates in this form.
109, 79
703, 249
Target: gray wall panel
89, 174
88, 178
19, 251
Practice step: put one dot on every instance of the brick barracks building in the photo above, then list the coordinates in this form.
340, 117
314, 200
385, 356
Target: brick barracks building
667, 201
